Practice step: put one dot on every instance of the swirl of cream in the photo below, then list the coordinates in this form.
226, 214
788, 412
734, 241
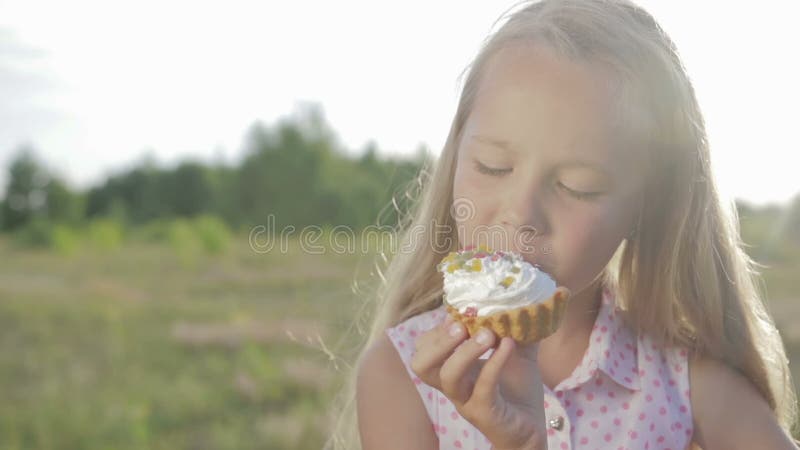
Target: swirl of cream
484, 289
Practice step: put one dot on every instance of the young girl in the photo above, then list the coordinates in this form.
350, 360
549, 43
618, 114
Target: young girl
577, 136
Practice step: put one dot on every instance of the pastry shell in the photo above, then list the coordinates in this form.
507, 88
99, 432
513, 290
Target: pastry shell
526, 324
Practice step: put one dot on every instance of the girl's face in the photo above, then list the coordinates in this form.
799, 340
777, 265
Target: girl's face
538, 169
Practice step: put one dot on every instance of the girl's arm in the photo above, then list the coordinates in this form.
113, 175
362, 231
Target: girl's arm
729, 413
391, 414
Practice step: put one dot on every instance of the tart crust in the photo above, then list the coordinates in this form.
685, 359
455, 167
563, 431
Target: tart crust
525, 324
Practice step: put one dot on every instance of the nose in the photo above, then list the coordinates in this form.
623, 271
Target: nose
526, 215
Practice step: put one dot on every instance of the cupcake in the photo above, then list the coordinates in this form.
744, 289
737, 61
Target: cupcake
503, 292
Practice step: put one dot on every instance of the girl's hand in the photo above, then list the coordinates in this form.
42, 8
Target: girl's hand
502, 396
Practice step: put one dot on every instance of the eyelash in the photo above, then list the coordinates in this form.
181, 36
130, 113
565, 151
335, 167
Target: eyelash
491, 170
584, 196
579, 195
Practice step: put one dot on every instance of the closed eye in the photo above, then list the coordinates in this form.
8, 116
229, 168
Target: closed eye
580, 195
491, 171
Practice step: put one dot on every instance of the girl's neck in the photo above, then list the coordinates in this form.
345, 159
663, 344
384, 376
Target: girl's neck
563, 350
580, 316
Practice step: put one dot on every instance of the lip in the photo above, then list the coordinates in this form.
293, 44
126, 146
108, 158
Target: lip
544, 267
532, 259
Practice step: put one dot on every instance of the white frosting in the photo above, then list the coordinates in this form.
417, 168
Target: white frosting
484, 289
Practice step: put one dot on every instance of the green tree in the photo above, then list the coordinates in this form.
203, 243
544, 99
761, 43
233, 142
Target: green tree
187, 190
62, 204
26, 190
791, 227
281, 175
135, 194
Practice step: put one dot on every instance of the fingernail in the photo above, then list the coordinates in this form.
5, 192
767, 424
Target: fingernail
455, 329
484, 336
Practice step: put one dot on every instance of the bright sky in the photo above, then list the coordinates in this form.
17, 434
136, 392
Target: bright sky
93, 85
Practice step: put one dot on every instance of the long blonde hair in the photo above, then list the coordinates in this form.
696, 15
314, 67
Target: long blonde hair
683, 278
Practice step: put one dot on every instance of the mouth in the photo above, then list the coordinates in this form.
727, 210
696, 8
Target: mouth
536, 262
536, 259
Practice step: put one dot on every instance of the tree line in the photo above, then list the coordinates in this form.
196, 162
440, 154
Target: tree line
294, 170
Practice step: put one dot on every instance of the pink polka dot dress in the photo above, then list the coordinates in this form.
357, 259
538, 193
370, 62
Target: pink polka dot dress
624, 394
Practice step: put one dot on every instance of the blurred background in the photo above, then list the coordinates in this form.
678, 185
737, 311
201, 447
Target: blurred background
147, 147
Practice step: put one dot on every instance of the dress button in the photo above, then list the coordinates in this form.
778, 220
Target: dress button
557, 423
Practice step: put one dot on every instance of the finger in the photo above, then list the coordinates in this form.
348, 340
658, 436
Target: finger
433, 348
454, 375
486, 385
434, 334
444, 330
447, 320
435, 331
528, 352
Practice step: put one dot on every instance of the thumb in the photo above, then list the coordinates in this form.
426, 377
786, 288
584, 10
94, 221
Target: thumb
528, 351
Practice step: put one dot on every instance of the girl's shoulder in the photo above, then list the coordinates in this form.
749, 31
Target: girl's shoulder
402, 337
385, 378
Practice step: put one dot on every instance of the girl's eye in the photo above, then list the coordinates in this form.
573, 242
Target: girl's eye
491, 171
580, 195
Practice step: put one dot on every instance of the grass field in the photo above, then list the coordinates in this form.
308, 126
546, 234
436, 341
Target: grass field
140, 348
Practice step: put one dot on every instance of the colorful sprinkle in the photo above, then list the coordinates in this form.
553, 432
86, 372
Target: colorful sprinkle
507, 281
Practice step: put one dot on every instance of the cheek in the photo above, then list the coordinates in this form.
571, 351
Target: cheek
472, 204
585, 244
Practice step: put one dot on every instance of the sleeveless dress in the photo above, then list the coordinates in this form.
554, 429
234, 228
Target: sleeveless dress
624, 394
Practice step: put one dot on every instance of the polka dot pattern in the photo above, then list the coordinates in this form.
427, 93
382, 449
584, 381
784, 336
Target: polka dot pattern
624, 394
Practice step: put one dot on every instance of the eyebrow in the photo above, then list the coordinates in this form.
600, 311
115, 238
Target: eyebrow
572, 162
505, 145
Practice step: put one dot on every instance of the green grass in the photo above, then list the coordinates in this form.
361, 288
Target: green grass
137, 348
